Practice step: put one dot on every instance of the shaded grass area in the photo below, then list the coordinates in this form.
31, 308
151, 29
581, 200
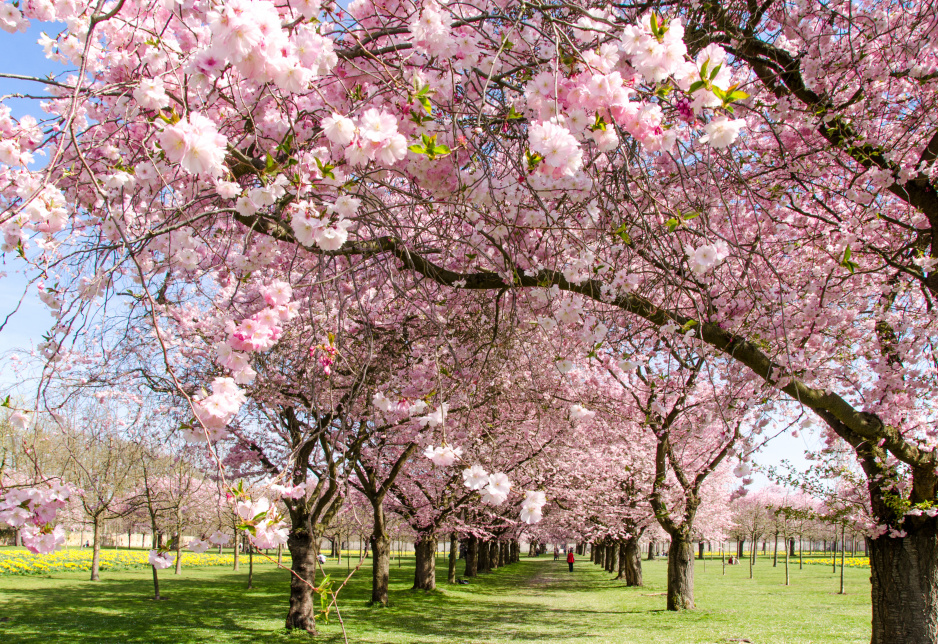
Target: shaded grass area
536, 600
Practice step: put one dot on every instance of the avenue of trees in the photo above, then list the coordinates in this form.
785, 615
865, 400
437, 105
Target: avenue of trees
496, 270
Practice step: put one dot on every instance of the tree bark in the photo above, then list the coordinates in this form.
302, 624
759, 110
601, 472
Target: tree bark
483, 556
651, 551
700, 550
472, 556
601, 555
503, 554
904, 575
178, 569
380, 554
96, 549
611, 556
236, 549
775, 552
425, 568
633, 563
621, 563
303, 550
453, 556
493, 555
250, 567
680, 574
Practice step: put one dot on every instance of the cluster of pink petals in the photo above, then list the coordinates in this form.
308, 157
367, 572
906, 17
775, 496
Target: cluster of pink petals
218, 409
289, 491
443, 456
33, 510
160, 560
374, 137
532, 507
195, 144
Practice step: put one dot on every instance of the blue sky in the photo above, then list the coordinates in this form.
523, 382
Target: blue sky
20, 54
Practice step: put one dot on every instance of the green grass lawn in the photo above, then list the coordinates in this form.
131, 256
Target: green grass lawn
536, 600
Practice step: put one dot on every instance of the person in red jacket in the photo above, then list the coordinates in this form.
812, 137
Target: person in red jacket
570, 560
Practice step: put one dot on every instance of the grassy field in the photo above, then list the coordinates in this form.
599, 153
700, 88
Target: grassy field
536, 600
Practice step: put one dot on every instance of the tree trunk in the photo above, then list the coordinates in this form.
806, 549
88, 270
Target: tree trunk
303, 550
380, 554
96, 549
680, 574
483, 556
503, 554
493, 555
425, 568
453, 555
156, 578
250, 567
739, 548
791, 546
237, 549
280, 555
630, 562
700, 549
381, 567
904, 575
472, 556
775, 553
601, 555
178, 569
651, 551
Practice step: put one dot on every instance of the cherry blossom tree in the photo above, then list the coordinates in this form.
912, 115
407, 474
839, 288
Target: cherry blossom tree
756, 179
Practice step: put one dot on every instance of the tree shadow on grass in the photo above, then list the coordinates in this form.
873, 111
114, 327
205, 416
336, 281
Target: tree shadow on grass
207, 605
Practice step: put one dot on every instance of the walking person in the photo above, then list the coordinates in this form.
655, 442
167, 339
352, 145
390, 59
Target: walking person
556, 553
570, 560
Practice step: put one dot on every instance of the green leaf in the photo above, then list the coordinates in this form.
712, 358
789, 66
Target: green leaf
623, 234
696, 86
654, 24
672, 224
425, 102
715, 71
736, 95
847, 263
270, 164
6, 402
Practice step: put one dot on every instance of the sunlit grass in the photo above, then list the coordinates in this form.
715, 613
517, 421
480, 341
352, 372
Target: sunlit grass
534, 601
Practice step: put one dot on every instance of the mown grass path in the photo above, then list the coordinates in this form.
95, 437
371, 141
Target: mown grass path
536, 600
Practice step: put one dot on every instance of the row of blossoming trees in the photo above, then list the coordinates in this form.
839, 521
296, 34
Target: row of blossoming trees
343, 238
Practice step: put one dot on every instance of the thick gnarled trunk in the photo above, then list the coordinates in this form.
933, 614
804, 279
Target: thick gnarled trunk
302, 613
680, 574
904, 575
425, 568
484, 556
472, 556
630, 562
